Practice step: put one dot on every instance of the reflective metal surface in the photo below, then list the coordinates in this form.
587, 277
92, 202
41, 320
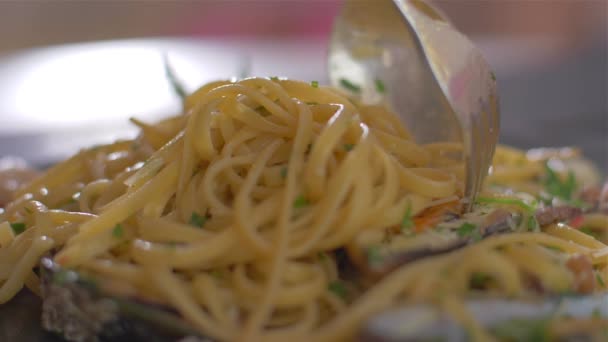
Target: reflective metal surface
438, 81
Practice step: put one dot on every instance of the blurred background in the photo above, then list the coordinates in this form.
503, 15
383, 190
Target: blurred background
550, 58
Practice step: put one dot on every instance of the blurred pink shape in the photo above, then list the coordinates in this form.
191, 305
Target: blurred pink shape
263, 18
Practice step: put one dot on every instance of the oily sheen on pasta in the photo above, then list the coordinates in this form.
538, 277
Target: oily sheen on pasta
232, 213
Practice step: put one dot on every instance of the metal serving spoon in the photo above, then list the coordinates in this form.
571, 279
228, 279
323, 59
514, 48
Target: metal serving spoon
406, 52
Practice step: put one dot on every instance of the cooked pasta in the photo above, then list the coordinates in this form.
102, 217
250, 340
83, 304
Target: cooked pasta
237, 213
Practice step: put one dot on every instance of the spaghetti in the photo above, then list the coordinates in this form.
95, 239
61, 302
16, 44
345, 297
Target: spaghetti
235, 213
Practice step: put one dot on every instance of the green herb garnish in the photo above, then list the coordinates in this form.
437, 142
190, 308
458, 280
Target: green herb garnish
197, 220
532, 223
558, 188
312, 103
476, 236
507, 201
374, 257
63, 277
314, 84
554, 248
466, 229
479, 280
300, 202
600, 280
118, 231
274, 78
349, 85
407, 222
176, 85
348, 147
18, 227
322, 256
493, 76
380, 86
338, 288
523, 330
284, 172
590, 232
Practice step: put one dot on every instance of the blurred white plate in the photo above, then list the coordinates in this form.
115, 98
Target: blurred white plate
56, 100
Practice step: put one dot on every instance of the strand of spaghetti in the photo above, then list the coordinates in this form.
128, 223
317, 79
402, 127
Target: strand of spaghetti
163, 229
552, 276
288, 297
380, 296
297, 330
252, 119
596, 220
283, 97
428, 182
217, 207
191, 255
205, 289
568, 234
173, 288
316, 166
458, 311
127, 205
32, 282
405, 150
23, 267
253, 324
247, 232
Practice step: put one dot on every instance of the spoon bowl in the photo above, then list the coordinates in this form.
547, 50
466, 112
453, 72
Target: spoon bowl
406, 53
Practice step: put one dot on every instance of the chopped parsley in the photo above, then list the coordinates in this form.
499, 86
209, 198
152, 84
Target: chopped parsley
63, 277
374, 257
349, 85
176, 84
300, 202
322, 256
197, 220
466, 229
407, 222
338, 288
348, 147
600, 280
118, 231
479, 280
590, 232
217, 274
532, 223
557, 187
536, 330
314, 84
18, 227
284, 172
274, 78
380, 86
476, 236
554, 248
508, 201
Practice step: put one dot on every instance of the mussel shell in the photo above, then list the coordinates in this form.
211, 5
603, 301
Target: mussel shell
75, 308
